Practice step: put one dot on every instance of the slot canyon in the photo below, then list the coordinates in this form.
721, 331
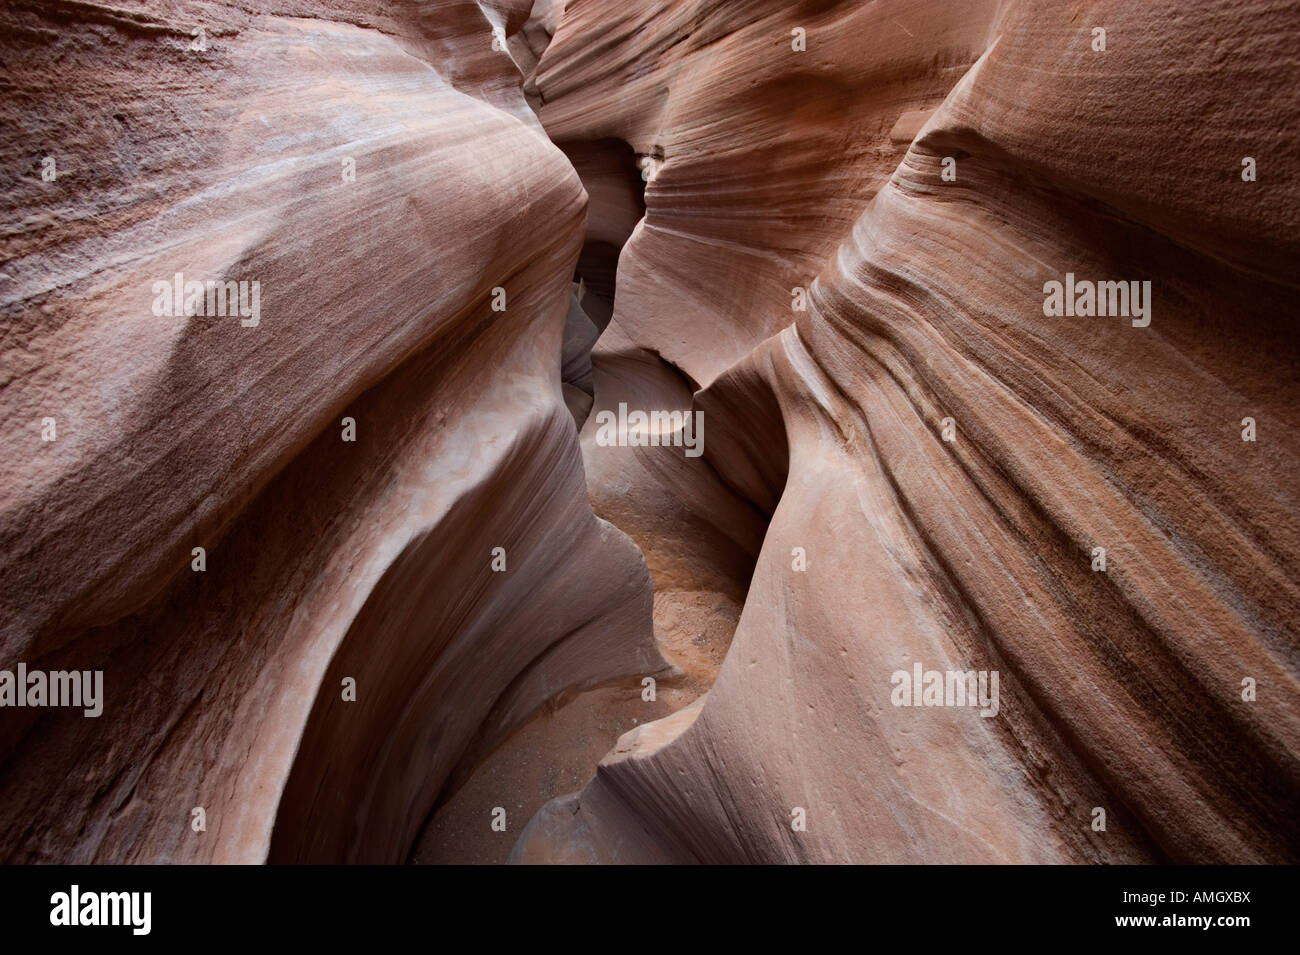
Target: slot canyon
650, 431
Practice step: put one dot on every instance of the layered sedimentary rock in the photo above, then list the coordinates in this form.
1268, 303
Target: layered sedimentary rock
949, 458
336, 547
399, 561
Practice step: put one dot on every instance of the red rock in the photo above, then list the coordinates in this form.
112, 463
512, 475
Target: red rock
829, 228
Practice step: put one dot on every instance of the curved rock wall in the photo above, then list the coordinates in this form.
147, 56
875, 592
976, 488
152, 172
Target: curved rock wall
226, 155
955, 456
828, 227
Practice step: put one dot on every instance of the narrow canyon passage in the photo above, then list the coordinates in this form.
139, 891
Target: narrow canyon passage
959, 348
802, 283
699, 537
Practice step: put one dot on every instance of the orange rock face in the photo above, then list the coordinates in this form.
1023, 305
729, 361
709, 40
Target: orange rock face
987, 311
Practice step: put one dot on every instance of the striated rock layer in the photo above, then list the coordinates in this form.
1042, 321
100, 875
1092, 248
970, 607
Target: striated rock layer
949, 457
414, 235
344, 557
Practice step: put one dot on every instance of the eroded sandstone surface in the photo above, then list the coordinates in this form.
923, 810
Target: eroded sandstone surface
429, 590
326, 559
824, 169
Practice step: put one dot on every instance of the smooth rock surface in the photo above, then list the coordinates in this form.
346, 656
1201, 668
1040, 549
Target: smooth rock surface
828, 227
1119, 689
326, 559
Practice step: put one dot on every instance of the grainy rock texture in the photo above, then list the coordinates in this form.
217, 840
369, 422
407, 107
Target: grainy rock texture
476, 228
1122, 689
326, 559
